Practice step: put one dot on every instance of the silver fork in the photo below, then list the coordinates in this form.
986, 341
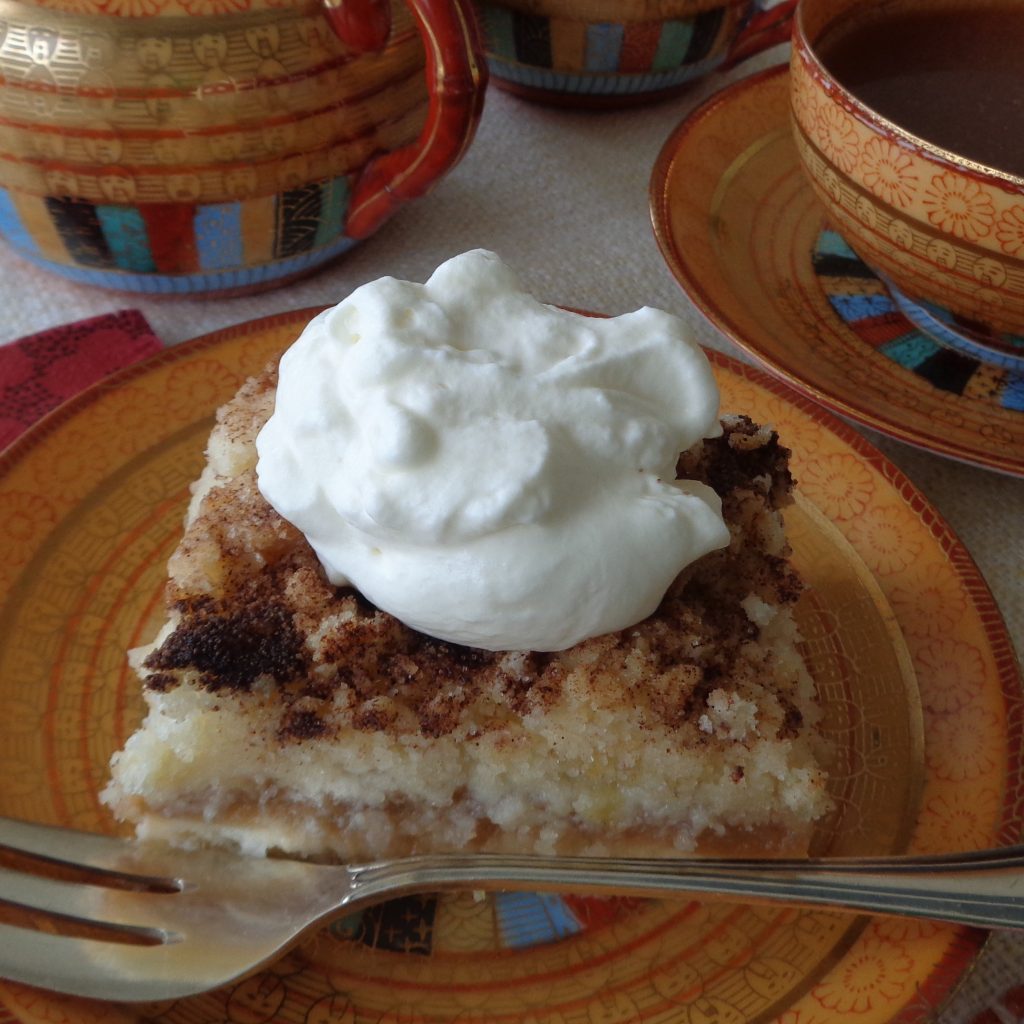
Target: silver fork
209, 917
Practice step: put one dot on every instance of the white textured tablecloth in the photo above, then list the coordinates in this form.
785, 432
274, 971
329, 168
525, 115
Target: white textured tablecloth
562, 197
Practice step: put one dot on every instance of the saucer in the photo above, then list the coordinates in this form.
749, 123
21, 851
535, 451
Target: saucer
743, 233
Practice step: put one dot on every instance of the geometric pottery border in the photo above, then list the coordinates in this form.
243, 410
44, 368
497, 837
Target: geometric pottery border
864, 304
180, 247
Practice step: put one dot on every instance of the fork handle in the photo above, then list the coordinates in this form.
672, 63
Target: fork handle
984, 890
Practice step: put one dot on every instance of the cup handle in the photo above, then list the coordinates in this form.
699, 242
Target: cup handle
766, 28
456, 79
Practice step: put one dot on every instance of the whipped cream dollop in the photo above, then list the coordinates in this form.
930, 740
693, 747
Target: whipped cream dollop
491, 470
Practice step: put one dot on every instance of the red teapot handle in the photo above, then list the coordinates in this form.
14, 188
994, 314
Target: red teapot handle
362, 25
456, 79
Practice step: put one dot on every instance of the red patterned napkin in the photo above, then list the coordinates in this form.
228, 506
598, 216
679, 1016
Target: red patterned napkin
40, 371
1009, 1009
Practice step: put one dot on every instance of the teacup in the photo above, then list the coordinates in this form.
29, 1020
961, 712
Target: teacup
213, 147
618, 52
943, 229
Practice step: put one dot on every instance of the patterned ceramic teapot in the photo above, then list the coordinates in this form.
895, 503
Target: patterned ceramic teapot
198, 146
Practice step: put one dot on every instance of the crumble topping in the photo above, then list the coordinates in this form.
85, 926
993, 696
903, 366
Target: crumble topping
252, 609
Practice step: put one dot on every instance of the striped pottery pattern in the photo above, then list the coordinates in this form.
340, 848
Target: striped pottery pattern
999, 349
927, 341
564, 54
179, 248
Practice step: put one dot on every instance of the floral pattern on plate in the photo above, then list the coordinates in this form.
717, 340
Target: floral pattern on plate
86, 550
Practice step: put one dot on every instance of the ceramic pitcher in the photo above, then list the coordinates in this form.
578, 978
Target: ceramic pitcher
214, 146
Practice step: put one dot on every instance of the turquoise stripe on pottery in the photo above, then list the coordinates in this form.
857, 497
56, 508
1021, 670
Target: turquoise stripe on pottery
347, 928
218, 234
911, 350
833, 244
672, 45
604, 47
1013, 394
191, 284
332, 212
125, 232
499, 31
11, 226
528, 919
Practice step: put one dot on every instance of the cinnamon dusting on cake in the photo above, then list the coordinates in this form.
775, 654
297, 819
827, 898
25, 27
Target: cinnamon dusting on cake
232, 642
254, 609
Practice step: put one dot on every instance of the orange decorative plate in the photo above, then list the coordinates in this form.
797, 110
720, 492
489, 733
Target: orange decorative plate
742, 231
922, 696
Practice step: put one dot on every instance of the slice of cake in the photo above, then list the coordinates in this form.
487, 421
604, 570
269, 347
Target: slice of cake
286, 712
